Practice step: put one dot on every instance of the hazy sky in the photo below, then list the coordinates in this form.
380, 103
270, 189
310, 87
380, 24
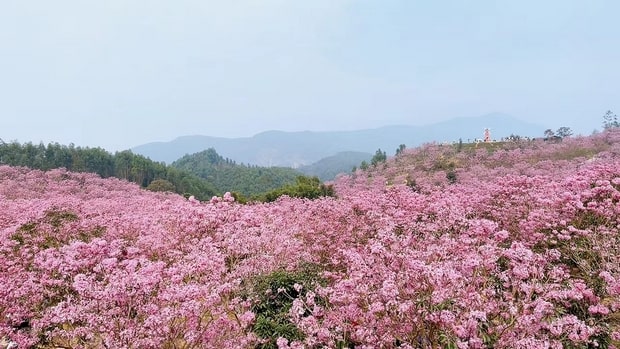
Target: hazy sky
119, 73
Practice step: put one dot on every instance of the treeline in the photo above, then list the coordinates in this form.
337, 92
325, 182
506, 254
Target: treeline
202, 175
304, 187
380, 157
125, 165
227, 175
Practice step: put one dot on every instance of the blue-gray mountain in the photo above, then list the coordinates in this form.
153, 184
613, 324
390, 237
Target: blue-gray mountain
328, 168
296, 149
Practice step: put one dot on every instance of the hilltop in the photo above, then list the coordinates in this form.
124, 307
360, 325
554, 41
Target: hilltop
226, 175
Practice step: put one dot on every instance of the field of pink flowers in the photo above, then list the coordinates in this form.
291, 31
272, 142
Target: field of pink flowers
522, 251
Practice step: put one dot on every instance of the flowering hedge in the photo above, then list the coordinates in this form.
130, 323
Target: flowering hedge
521, 251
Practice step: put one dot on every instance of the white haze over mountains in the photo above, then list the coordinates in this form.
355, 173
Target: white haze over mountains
294, 149
119, 73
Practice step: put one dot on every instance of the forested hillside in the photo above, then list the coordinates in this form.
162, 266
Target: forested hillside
124, 165
227, 175
202, 175
498, 245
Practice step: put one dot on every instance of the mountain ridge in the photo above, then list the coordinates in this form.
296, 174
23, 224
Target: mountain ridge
299, 148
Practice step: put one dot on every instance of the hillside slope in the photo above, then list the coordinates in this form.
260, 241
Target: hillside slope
430, 164
521, 250
227, 176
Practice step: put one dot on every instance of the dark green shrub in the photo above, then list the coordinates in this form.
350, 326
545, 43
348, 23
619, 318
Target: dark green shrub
305, 187
451, 177
273, 296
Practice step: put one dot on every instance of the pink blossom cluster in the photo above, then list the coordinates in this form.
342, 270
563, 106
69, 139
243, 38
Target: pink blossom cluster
523, 251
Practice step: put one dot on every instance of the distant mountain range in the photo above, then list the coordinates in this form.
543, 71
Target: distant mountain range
296, 149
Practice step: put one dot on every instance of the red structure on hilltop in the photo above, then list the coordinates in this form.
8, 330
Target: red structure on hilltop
487, 135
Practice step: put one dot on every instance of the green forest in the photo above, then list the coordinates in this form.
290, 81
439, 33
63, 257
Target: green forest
202, 175
124, 165
226, 175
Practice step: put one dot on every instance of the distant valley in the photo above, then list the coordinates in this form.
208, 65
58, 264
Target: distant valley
328, 168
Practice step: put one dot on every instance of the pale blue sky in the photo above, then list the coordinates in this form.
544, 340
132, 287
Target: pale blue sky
119, 73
